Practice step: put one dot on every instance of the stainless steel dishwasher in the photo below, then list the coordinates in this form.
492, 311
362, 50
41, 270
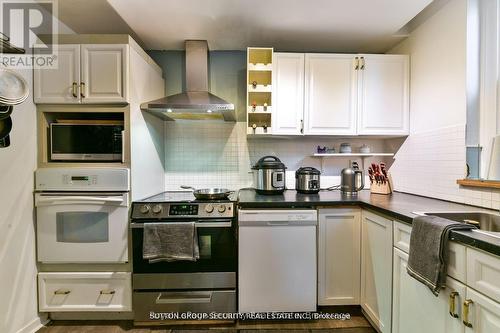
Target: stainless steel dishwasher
277, 260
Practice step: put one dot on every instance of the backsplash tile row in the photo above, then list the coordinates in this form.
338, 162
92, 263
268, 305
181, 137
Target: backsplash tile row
429, 163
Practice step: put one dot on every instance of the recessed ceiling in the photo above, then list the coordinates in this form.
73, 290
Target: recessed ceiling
286, 25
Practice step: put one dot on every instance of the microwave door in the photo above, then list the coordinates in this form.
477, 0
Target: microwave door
83, 229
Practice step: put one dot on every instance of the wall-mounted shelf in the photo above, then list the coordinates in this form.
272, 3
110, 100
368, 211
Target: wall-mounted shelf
260, 67
479, 183
352, 154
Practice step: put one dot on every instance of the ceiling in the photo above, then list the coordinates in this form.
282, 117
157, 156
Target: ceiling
286, 25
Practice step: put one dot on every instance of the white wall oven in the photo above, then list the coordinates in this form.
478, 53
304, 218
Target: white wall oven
82, 215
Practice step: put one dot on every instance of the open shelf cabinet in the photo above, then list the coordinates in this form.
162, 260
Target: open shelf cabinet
259, 90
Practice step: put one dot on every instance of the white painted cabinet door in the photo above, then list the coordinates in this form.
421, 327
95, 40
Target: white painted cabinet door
61, 85
416, 309
288, 93
383, 95
104, 73
484, 313
339, 256
330, 94
376, 269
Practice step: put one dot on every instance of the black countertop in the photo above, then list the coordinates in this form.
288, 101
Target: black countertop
400, 206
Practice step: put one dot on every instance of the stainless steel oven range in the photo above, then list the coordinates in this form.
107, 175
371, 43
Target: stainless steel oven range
206, 285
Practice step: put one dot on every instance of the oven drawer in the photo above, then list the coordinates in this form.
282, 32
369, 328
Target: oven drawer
147, 304
96, 291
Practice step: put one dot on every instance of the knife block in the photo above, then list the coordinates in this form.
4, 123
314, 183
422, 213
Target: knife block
382, 188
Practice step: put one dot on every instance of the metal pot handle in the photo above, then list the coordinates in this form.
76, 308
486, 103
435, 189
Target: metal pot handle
188, 187
362, 180
269, 156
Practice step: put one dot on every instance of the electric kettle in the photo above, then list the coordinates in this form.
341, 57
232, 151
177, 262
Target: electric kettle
351, 180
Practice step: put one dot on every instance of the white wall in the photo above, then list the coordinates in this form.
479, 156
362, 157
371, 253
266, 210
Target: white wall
433, 157
438, 59
18, 294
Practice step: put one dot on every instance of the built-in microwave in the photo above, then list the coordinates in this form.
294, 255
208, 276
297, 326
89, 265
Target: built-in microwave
86, 141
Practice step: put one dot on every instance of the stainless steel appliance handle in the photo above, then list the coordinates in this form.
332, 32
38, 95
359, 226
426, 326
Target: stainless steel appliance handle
228, 224
85, 199
184, 297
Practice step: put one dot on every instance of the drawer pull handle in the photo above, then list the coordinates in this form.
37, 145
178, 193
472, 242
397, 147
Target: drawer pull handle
184, 298
62, 292
107, 292
467, 303
451, 302
74, 93
82, 89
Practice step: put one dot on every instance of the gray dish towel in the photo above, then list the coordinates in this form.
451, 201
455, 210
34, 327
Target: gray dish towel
170, 242
428, 257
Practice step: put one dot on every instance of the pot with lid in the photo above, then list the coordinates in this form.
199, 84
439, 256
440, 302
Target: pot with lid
269, 175
307, 180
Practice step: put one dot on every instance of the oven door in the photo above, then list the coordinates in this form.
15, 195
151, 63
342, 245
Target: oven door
217, 243
82, 227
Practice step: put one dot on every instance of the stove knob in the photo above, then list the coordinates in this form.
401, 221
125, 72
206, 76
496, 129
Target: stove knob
157, 209
221, 209
144, 209
209, 208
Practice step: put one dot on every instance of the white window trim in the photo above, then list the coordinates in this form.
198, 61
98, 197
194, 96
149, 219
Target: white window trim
489, 90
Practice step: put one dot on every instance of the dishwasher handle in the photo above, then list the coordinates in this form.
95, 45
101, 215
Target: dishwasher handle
284, 223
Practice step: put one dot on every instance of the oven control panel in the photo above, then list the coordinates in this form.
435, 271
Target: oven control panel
163, 210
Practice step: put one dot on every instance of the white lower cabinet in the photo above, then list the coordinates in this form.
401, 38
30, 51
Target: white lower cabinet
339, 256
376, 269
82, 291
416, 309
482, 315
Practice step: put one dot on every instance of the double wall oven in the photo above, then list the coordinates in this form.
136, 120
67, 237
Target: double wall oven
82, 215
205, 285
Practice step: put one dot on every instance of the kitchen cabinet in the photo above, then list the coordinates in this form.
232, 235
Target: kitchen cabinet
104, 73
416, 309
59, 85
376, 269
383, 94
482, 315
288, 94
86, 74
340, 94
339, 256
330, 95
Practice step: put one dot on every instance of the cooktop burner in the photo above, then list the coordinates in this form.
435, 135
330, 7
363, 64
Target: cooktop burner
182, 196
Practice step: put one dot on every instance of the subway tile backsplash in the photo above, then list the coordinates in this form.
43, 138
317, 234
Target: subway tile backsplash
208, 154
429, 163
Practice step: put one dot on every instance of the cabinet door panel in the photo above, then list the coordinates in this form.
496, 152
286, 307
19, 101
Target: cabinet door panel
58, 85
376, 269
338, 256
484, 314
105, 73
416, 309
330, 88
288, 93
383, 103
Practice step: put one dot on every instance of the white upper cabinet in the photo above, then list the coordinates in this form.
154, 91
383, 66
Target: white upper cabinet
86, 74
383, 97
339, 256
330, 94
60, 85
104, 73
288, 93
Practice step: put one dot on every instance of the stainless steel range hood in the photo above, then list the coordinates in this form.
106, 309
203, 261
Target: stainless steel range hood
196, 103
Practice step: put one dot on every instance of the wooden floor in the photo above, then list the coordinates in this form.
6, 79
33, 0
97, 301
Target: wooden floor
354, 325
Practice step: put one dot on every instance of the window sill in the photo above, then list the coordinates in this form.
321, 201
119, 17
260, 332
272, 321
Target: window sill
479, 183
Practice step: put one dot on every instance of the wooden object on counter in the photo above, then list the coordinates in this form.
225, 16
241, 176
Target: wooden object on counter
382, 188
479, 183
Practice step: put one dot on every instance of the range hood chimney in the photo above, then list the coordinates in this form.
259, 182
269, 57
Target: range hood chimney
196, 103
